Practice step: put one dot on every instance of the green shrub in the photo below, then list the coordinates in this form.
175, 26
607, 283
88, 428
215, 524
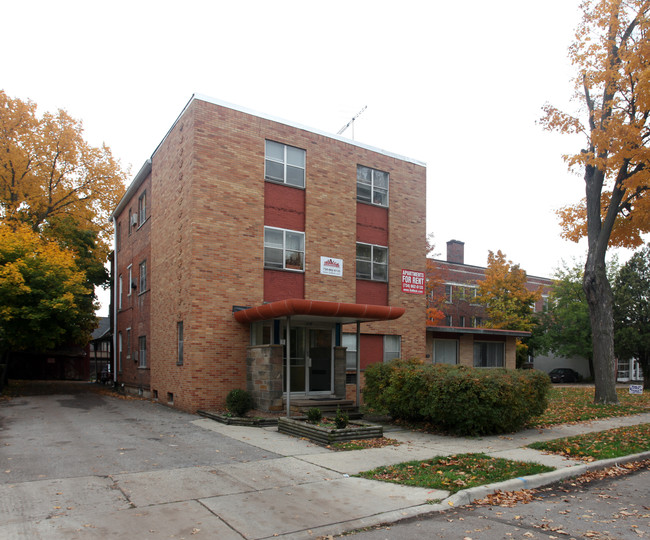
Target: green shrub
239, 402
458, 399
314, 415
341, 419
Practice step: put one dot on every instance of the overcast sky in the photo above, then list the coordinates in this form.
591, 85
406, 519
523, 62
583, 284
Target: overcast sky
457, 85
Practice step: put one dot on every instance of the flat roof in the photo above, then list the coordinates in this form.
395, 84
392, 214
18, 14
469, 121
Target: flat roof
477, 331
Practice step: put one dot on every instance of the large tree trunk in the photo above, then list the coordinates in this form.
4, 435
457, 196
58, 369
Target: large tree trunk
600, 301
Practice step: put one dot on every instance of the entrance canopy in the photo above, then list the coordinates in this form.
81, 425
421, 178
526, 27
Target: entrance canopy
310, 310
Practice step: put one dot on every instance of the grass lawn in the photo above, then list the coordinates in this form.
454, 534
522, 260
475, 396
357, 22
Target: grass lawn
453, 473
612, 443
576, 404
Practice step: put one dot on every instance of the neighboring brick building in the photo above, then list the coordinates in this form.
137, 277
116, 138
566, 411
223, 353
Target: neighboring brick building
459, 338
244, 236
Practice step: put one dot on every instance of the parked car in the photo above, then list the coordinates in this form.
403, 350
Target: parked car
564, 375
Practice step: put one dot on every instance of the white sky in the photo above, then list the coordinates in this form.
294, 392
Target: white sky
458, 85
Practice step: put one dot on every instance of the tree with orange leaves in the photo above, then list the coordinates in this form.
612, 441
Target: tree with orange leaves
611, 54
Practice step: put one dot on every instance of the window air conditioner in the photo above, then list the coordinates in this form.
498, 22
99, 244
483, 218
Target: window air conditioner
134, 220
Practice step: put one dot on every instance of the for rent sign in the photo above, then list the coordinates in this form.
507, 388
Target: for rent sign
412, 282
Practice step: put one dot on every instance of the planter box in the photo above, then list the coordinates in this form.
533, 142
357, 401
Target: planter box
239, 421
325, 435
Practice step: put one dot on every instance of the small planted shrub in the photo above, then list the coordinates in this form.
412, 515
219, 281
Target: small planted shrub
239, 402
341, 420
314, 415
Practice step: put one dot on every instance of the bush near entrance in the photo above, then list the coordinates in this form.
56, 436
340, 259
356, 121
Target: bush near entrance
457, 399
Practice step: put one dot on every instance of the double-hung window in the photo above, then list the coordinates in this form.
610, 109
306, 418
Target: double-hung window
392, 348
143, 276
142, 346
284, 249
285, 164
372, 186
142, 208
372, 262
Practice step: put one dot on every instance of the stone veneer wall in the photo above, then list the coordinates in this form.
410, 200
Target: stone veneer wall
264, 376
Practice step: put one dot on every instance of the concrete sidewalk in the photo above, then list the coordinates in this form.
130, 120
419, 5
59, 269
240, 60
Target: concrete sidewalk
292, 489
310, 492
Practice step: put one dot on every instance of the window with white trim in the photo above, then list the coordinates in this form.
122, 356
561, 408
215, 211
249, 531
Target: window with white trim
142, 209
130, 282
392, 348
350, 341
284, 164
449, 293
119, 293
372, 262
284, 249
489, 354
142, 347
372, 186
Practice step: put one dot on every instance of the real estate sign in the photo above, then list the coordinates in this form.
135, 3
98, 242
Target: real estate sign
331, 267
412, 282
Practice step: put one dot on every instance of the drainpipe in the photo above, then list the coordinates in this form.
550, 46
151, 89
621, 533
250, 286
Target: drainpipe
358, 364
288, 376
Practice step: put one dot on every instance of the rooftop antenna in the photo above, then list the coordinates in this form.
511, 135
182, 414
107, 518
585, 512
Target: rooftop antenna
351, 122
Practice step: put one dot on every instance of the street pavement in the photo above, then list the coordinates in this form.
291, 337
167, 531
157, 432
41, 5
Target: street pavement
80, 465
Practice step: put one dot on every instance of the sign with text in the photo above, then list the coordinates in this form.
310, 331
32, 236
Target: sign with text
331, 267
412, 282
636, 389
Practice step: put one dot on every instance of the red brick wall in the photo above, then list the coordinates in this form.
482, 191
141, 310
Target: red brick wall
284, 206
282, 285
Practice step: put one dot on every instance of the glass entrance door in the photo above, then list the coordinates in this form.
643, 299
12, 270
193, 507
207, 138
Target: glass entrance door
320, 360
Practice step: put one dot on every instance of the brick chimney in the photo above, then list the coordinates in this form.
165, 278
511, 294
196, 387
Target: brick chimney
456, 251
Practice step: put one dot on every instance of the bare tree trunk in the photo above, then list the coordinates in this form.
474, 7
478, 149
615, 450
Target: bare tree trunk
600, 301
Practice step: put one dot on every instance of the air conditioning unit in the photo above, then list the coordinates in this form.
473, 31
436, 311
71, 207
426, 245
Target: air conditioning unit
134, 220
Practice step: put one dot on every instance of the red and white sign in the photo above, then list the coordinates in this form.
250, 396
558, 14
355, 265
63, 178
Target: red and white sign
331, 267
412, 282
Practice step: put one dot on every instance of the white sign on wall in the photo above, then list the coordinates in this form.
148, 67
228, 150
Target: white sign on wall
331, 267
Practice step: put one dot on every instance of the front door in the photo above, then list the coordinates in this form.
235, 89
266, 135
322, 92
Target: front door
311, 360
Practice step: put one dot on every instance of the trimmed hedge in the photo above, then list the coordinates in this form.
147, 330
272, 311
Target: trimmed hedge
457, 399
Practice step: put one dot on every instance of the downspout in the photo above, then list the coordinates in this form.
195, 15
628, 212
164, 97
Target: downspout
113, 272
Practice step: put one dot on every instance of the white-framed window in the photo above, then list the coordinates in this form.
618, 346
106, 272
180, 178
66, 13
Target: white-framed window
119, 352
284, 164
489, 354
372, 262
392, 348
372, 186
476, 322
449, 320
179, 335
130, 282
119, 292
143, 276
350, 341
142, 348
445, 351
142, 209
284, 249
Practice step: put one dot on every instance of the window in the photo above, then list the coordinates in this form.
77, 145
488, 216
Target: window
448, 320
143, 276
284, 249
128, 343
476, 322
130, 283
142, 208
392, 347
445, 351
372, 262
179, 332
130, 221
449, 291
488, 354
119, 352
285, 164
142, 347
462, 320
372, 186
119, 293
350, 341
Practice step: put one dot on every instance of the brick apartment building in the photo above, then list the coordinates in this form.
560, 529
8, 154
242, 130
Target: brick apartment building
459, 338
245, 239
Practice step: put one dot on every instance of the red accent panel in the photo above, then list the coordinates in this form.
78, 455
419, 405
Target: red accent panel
280, 285
372, 292
318, 308
372, 349
372, 224
284, 207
